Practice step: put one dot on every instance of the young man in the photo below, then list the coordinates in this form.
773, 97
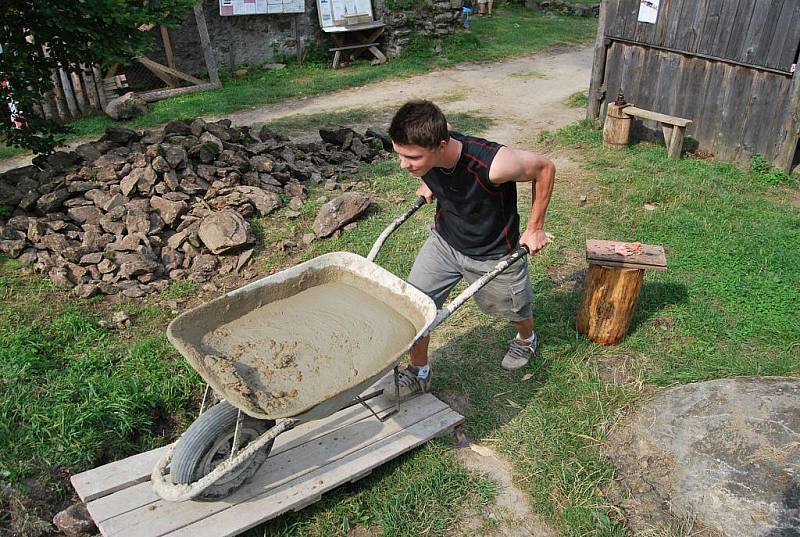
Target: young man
474, 183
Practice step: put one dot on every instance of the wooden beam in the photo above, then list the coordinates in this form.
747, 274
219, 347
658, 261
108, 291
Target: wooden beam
790, 130
167, 47
68, 96
655, 116
155, 68
152, 96
205, 43
98, 84
598, 66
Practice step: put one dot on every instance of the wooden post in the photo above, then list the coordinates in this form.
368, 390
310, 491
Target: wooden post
205, 42
598, 66
167, 47
675, 145
611, 289
790, 130
609, 297
617, 127
98, 85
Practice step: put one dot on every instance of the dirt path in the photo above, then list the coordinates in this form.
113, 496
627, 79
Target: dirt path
525, 96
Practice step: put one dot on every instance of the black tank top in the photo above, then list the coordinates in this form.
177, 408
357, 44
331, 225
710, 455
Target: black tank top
475, 216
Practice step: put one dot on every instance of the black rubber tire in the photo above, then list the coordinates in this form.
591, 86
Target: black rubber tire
193, 457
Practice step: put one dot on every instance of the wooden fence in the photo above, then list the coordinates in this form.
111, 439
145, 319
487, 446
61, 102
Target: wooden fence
729, 65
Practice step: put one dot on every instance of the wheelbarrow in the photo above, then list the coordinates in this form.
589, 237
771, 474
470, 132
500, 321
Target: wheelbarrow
292, 347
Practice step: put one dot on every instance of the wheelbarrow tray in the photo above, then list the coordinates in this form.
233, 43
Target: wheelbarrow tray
304, 342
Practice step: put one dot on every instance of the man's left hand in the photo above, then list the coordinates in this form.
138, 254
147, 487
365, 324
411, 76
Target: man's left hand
535, 240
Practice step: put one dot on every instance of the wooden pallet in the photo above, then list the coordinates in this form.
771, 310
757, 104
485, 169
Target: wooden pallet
304, 463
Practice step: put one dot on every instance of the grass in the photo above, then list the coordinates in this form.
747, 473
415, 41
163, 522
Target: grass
579, 99
515, 31
726, 307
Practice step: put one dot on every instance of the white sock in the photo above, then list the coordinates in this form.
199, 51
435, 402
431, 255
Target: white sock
530, 340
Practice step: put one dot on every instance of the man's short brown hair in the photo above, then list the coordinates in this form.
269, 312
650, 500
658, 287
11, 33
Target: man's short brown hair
419, 123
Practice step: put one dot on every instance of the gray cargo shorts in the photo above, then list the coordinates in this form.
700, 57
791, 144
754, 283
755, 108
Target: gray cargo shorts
439, 267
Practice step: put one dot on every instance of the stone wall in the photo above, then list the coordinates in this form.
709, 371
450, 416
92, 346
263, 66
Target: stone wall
258, 39
248, 39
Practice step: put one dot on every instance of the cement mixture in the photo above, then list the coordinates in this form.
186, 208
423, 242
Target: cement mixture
294, 352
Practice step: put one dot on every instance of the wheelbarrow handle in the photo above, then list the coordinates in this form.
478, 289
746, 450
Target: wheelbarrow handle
373, 253
474, 287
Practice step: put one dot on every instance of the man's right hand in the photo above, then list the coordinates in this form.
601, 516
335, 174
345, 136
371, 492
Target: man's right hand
425, 192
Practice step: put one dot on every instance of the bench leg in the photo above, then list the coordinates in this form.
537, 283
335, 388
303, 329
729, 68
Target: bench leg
667, 130
336, 57
676, 143
378, 54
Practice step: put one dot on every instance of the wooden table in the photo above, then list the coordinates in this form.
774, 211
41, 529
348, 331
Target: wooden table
356, 38
612, 287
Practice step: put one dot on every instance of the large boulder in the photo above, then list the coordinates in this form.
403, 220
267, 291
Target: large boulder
127, 106
723, 453
339, 212
224, 231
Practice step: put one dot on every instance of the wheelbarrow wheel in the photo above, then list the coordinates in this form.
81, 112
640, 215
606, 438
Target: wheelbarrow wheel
208, 442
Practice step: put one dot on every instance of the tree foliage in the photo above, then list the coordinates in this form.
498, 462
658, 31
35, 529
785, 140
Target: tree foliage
38, 36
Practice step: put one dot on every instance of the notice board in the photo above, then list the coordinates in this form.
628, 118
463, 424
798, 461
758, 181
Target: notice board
229, 8
344, 12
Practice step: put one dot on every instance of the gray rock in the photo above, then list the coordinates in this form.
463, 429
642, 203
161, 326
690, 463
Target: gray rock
339, 212
75, 521
264, 202
198, 126
203, 268
121, 135
85, 215
127, 106
262, 164
136, 265
106, 266
9, 194
178, 126
54, 242
175, 155
51, 202
169, 211
724, 453
212, 143
224, 231
160, 164
61, 277
137, 221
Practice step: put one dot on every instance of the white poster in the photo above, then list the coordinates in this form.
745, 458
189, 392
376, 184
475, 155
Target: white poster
229, 8
648, 11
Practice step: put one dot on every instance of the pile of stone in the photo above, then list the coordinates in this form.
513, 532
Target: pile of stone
129, 212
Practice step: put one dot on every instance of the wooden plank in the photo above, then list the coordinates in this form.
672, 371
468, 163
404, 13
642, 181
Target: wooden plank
655, 116
167, 46
708, 30
256, 511
91, 89
613, 71
713, 97
694, 84
153, 96
80, 96
779, 94
611, 8
786, 37
691, 25
109, 478
98, 85
733, 110
598, 65
205, 44
140, 493
673, 24
69, 97
790, 128
761, 24
668, 90
625, 10
352, 47
739, 29
601, 252
727, 14
154, 68
161, 518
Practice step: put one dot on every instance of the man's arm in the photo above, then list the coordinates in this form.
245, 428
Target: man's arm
515, 165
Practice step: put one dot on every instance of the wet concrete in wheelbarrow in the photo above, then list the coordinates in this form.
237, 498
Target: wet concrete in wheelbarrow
296, 351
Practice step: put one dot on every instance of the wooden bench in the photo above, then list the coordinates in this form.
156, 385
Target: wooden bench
612, 287
617, 128
356, 38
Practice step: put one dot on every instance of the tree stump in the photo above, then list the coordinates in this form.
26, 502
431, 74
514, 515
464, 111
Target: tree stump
612, 287
617, 128
609, 297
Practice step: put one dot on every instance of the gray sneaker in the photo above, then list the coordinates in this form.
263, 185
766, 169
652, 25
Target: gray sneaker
410, 383
519, 354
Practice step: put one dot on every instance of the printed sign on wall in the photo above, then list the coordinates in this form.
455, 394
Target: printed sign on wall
229, 8
648, 11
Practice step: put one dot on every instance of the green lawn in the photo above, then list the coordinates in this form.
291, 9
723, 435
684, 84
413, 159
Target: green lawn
513, 32
79, 393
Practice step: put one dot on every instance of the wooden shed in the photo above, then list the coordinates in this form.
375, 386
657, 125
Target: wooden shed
728, 65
